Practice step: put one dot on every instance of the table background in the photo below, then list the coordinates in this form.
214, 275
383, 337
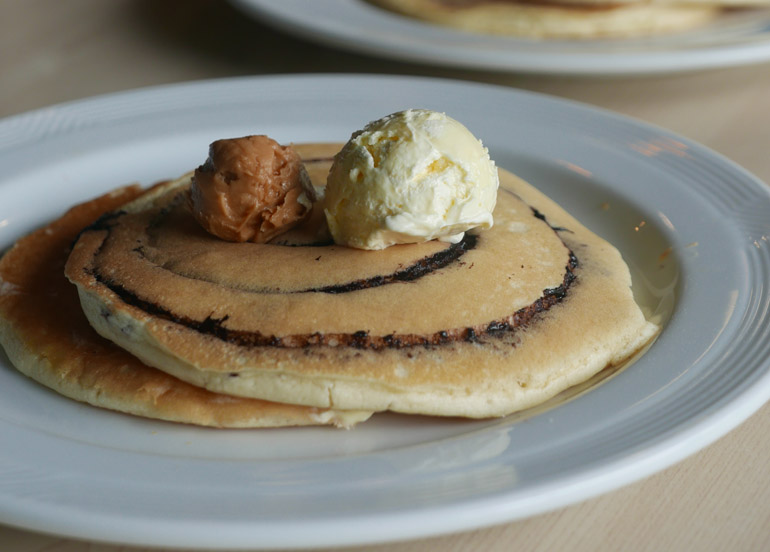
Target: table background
719, 499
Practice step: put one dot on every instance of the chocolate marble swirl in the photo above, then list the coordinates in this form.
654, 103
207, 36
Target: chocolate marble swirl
159, 261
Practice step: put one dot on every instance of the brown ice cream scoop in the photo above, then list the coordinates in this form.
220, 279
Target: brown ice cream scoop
250, 189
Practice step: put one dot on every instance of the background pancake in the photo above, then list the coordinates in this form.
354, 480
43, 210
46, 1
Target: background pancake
47, 337
556, 19
522, 311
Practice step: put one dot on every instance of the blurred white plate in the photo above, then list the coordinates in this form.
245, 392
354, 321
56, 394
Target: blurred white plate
692, 225
736, 38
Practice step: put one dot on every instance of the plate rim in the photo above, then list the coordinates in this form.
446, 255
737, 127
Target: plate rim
497, 53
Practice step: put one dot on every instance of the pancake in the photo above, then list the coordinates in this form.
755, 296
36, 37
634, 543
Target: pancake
572, 19
714, 3
47, 337
499, 322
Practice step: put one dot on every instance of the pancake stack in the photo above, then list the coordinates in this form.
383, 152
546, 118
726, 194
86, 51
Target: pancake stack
568, 19
170, 322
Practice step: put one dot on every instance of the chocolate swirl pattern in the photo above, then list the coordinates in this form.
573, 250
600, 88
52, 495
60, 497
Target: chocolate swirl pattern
477, 328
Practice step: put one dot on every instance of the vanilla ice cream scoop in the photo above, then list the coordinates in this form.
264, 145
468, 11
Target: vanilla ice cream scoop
410, 177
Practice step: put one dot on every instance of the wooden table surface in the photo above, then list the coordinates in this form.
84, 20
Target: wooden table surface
718, 499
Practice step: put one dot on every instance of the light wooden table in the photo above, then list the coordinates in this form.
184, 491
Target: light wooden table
719, 499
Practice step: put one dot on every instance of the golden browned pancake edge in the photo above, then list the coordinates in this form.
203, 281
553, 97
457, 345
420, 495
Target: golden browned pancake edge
47, 337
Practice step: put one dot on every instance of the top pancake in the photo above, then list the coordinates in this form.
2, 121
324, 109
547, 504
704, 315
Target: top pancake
481, 328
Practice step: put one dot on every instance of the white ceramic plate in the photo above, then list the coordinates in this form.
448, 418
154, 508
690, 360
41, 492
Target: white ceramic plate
734, 39
692, 225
